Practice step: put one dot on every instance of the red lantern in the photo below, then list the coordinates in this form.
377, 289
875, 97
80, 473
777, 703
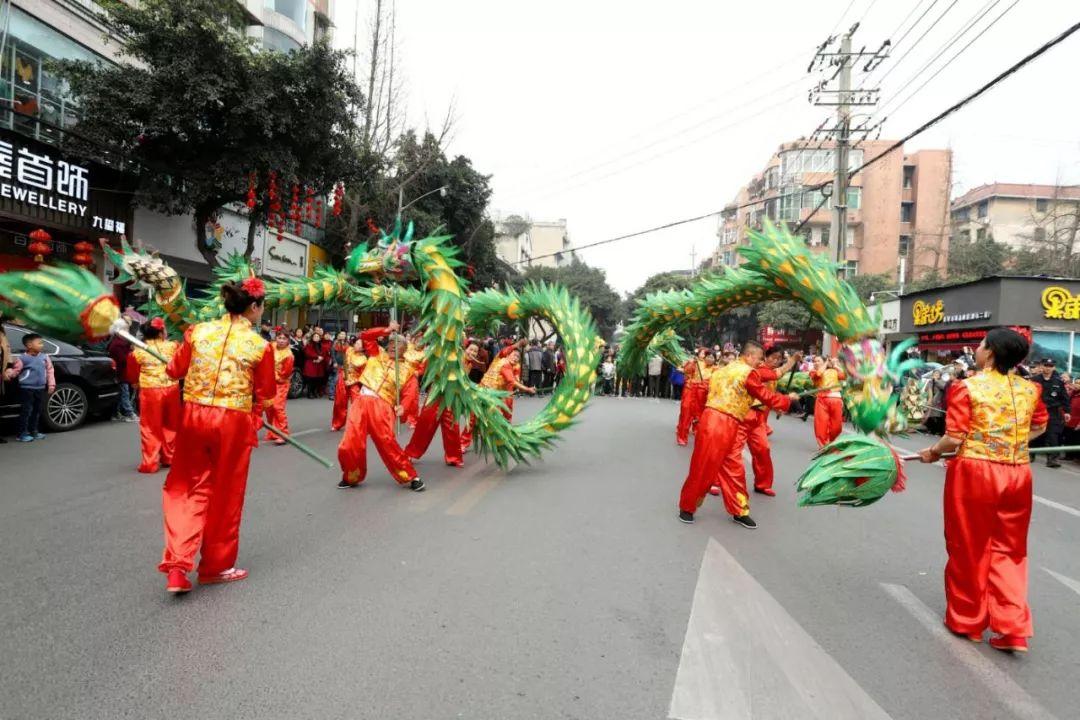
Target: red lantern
40, 247
294, 209
318, 212
339, 195
251, 191
83, 254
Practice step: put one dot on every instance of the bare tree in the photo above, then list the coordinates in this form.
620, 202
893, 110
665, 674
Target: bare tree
1054, 233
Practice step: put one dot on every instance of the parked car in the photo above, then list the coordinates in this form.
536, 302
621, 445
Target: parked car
86, 384
296, 384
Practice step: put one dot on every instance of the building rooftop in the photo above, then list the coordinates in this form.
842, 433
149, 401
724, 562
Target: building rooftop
1016, 190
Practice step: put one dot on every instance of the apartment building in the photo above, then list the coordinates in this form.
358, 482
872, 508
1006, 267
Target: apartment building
522, 242
897, 208
1014, 213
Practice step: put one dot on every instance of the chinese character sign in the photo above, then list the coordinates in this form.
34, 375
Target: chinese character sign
926, 314
1060, 304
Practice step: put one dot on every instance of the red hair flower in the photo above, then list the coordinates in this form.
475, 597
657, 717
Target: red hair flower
254, 287
157, 323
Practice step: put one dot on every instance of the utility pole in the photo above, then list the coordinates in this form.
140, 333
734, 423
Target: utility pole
693, 265
838, 65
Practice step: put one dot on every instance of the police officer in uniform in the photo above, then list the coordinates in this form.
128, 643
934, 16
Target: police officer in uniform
1056, 399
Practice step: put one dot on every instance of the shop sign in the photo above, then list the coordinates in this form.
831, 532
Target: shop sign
931, 314
39, 185
1060, 304
288, 257
971, 337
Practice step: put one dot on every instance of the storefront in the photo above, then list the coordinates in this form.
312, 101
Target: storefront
1045, 310
71, 199
794, 339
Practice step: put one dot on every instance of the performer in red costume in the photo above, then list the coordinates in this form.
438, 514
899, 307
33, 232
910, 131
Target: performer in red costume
828, 406
284, 362
159, 398
412, 359
228, 373
992, 416
756, 429
504, 374
693, 370
701, 392
372, 412
348, 377
717, 450
432, 416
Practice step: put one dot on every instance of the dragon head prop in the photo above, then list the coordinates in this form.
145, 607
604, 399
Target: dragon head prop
391, 257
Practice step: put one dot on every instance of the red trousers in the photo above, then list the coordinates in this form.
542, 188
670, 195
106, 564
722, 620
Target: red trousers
987, 512
203, 495
432, 416
466, 434
717, 454
372, 416
688, 412
828, 419
410, 401
275, 414
341, 403
159, 416
756, 433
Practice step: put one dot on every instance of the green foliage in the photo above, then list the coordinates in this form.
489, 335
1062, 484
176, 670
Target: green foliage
787, 315
588, 284
198, 107
865, 285
978, 258
656, 283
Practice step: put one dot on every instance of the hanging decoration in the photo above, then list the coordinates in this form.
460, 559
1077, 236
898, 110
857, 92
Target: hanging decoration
40, 247
309, 204
83, 254
372, 227
339, 195
274, 217
251, 191
294, 210
318, 213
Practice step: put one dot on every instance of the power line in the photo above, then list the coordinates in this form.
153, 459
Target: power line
920, 39
1038, 52
841, 18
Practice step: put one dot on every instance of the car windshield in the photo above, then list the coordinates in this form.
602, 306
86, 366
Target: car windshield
16, 333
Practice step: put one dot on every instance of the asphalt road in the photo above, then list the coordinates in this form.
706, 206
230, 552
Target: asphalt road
565, 589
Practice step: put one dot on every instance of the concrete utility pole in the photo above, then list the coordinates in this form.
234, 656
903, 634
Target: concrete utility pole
843, 144
693, 265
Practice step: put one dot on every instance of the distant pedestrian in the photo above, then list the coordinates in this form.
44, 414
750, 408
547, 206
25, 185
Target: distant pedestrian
534, 359
118, 350
656, 365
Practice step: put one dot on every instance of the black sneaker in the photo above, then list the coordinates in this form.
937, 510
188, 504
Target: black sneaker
417, 485
745, 520
686, 517
345, 484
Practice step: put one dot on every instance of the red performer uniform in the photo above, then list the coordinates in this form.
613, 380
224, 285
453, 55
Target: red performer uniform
756, 430
431, 416
828, 407
501, 375
371, 412
228, 373
988, 503
413, 359
348, 379
275, 414
159, 403
717, 449
689, 401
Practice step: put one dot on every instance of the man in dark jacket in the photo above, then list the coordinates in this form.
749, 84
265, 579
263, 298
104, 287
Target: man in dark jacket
547, 365
1056, 399
118, 350
534, 360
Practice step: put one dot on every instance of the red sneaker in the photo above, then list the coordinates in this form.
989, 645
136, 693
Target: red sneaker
714, 490
1009, 643
766, 491
680, 443
973, 637
148, 469
178, 582
455, 463
230, 575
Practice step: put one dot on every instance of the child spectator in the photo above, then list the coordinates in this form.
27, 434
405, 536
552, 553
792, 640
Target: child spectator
36, 380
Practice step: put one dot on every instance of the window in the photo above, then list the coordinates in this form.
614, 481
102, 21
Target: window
851, 268
962, 215
1039, 235
278, 41
1041, 204
854, 197
909, 176
905, 245
825, 236
808, 235
295, 10
907, 212
980, 235
984, 209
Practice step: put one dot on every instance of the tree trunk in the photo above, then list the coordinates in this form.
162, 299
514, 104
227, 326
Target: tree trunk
254, 222
368, 124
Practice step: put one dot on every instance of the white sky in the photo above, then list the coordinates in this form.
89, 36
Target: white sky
620, 115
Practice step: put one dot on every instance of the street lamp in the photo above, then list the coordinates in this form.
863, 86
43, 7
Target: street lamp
401, 197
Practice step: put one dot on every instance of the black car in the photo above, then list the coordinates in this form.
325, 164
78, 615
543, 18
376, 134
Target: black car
86, 384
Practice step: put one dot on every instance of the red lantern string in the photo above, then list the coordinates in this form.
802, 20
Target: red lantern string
309, 204
318, 212
372, 227
40, 247
251, 191
83, 254
339, 195
294, 209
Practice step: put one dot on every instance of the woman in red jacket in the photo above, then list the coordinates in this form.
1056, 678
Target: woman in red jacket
315, 364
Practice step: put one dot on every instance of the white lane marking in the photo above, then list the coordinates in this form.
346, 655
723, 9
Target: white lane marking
744, 657
1064, 580
996, 681
1038, 498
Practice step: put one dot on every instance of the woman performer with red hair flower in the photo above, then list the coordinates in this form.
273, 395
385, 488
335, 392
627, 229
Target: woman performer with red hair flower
228, 373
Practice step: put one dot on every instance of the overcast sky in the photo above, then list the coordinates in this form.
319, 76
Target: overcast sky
620, 115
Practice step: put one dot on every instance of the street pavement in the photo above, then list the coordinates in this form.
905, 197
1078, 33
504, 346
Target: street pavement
562, 589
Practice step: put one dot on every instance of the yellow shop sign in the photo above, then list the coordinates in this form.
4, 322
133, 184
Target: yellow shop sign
926, 313
1060, 304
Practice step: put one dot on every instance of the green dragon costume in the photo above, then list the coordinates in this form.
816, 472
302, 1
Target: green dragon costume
854, 470
70, 302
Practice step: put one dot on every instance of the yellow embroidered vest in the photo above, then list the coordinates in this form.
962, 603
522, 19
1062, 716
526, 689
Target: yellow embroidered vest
997, 432
413, 357
280, 356
151, 370
224, 354
727, 390
706, 372
354, 366
493, 378
378, 375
